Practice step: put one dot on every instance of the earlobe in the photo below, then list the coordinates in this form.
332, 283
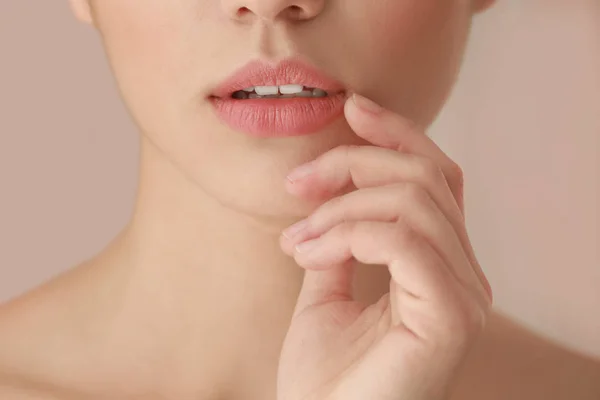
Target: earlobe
82, 11
482, 5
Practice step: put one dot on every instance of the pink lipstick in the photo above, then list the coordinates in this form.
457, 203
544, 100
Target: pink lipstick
289, 99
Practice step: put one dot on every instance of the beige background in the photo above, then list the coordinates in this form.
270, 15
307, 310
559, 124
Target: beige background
524, 122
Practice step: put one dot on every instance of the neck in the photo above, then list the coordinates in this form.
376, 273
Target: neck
191, 271
181, 239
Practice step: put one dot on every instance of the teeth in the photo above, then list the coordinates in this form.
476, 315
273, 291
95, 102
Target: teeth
291, 89
266, 90
279, 92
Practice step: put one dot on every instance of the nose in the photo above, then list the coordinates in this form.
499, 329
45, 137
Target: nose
272, 10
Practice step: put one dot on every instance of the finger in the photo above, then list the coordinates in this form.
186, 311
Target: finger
400, 203
373, 242
387, 129
437, 303
368, 166
326, 286
390, 130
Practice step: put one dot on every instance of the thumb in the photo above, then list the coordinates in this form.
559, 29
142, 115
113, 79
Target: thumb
326, 286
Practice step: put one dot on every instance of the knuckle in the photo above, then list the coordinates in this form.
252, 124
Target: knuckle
461, 320
474, 325
404, 233
468, 322
457, 173
429, 170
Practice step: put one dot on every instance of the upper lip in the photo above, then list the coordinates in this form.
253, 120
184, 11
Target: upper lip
290, 71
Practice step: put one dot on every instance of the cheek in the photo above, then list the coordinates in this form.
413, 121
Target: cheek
136, 31
414, 49
140, 38
411, 25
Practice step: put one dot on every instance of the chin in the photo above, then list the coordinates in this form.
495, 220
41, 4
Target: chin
264, 199
256, 186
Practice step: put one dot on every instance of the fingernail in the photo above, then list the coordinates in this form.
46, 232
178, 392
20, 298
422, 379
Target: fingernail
308, 246
295, 229
301, 172
366, 105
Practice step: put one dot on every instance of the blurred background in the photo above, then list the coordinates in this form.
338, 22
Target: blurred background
523, 121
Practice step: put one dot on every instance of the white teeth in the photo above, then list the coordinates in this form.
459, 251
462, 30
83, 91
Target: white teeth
266, 90
291, 89
283, 91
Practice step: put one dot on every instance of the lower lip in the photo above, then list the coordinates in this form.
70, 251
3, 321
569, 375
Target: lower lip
279, 117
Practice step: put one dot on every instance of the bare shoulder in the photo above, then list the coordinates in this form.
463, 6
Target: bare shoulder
19, 360
35, 337
511, 362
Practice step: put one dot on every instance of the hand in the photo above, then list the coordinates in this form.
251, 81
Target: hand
404, 210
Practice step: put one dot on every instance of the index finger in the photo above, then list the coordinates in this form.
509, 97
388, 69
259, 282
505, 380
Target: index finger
387, 129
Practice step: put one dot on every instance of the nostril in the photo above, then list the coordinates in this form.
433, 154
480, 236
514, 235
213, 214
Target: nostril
295, 11
277, 9
243, 11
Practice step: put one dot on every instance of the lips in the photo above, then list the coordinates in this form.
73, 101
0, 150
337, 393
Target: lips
289, 99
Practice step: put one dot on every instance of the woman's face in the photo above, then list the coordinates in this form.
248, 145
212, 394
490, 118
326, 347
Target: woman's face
168, 56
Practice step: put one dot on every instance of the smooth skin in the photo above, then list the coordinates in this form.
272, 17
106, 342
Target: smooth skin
206, 294
406, 213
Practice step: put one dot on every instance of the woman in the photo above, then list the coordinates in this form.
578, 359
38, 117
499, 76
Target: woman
201, 297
